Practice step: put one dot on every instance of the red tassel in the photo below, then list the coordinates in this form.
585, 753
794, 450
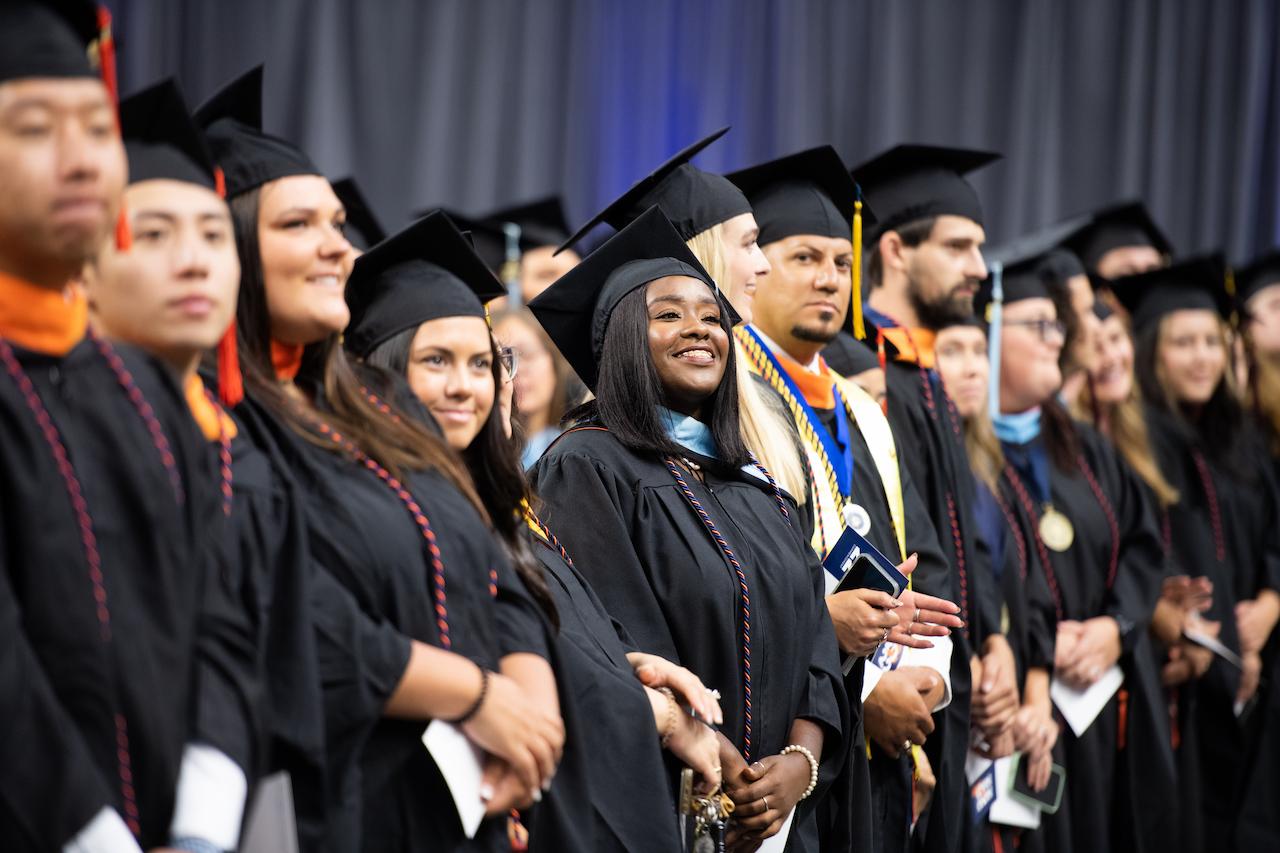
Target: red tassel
1122, 728
124, 236
219, 182
230, 381
107, 55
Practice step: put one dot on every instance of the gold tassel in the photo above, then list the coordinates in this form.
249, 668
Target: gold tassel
859, 327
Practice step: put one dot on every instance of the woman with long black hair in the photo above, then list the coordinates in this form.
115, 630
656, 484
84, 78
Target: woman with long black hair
688, 541
441, 628
1224, 522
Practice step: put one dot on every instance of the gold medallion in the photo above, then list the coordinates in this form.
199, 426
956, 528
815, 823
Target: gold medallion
1056, 531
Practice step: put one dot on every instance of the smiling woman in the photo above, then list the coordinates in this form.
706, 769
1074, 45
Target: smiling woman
695, 553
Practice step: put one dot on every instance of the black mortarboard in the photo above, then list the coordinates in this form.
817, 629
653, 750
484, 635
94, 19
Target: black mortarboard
161, 139
849, 356
360, 216
1261, 272
809, 192
575, 310
541, 222
912, 182
47, 38
424, 272
1196, 283
1032, 265
691, 199
488, 237
1124, 224
232, 122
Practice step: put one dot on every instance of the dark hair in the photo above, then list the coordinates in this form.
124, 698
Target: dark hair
495, 469
397, 443
1060, 294
1218, 425
628, 391
912, 233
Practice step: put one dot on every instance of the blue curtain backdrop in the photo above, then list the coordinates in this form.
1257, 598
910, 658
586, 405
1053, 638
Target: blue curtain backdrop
477, 103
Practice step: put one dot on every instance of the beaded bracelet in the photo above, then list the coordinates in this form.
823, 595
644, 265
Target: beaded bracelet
673, 712
813, 766
475, 706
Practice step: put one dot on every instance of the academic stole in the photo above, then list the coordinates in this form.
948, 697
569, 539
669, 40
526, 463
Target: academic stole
870, 421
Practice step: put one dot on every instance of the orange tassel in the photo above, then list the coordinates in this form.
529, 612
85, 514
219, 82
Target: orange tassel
219, 182
124, 236
107, 55
230, 380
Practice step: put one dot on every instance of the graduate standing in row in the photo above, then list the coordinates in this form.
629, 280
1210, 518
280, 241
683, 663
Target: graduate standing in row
805, 206
924, 267
444, 628
691, 545
127, 664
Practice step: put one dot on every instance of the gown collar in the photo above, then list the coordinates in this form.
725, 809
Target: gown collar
42, 320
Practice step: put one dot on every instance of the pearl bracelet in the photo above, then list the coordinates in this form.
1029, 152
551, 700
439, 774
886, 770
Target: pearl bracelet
813, 766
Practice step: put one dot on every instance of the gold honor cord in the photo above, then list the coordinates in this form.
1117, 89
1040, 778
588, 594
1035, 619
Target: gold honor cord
760, 363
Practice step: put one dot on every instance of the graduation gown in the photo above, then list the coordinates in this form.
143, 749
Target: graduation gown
611, 791
1120, 774
178, 666
384, 788
267, 546
890, 782
929, 431
1241, 558
657, 570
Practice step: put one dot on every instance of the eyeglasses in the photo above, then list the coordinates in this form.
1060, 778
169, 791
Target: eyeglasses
510, 361
1043, 328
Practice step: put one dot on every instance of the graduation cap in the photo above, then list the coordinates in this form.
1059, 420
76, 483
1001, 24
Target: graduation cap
1124, 224
912, 182
424, 272
541, 222
1195, 283
809, 192
360, 215
693, 200
575, 310
48, 38
1262, 272
232, 121
161, 139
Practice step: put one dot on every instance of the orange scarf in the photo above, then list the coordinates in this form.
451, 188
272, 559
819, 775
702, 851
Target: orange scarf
214, 423
36, 318
914, 345
286, 359
818, 389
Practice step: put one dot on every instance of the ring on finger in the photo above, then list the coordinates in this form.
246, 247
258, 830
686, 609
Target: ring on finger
765, 800
917, 619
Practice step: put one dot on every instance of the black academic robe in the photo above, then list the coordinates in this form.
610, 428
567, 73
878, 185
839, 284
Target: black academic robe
178, 666
1242, 485
889, 778
368, 547
268, 548
611, 791
658, 571
1120, 773
931, 446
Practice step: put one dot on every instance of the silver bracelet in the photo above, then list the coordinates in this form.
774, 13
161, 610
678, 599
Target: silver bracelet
813, 766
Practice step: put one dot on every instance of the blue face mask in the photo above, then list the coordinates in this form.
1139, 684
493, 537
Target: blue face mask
1018, 428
